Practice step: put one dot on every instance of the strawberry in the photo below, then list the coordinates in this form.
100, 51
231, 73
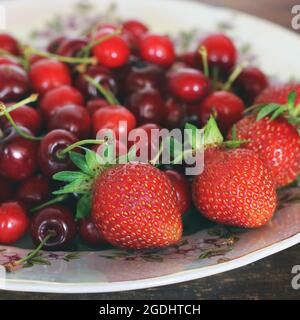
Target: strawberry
133, 205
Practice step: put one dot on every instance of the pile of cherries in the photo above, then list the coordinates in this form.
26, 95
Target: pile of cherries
114, 73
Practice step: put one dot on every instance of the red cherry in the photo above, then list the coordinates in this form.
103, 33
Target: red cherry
182, 188
147, 105
188, 84
110, 117
13, 222
26, 117
93, 105
73, 118
70, 47
173, 114
9, 44
48, 74
157, 49
17, 155
90, 233
136, 28
113, 52
55, 43
50, 161
250, 83
9, 60
227, 106
57, 220
5, 190
188, 58
14, 83
57, 98
35, 58
34, 191
221, 51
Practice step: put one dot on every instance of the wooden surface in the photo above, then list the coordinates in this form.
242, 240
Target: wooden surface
269, 278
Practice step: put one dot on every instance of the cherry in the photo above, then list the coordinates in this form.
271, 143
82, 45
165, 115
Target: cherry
173, 114
13, 222
113, 52
90, 233
9, 60
9, 44
59, 97
93, 105
35, 58
34, 190
221, 51
182, 188
188, 58
135, 27
5, 190
56, 220
147, 105
110, 117
101, 75
250, 83
26, 117
55, 43
157, 49
227, 106
73, 118
47, 74
17, 155
70, 47
14, 83
188, 85
49, 158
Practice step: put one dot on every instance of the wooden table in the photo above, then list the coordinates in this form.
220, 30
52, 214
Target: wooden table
269, 278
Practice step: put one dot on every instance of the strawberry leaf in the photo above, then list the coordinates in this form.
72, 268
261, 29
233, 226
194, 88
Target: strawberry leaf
194, 137
267, 110
277, 113
232, 144
93, 161
84, 206
69, 176
212, 134
79, 161
291, 100
76, 186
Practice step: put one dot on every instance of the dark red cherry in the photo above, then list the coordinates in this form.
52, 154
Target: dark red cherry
101, 75
188, 58
47, 74
57, 98
188, 85
174, 112
250, 83
56, 220
93, 105
49, 158
70, 47
157, 49
182, 188
18, 156
135, 28
90, 233
35, 58
9, 44
34, 190
147, 105
55, 43
9, 60
14, 83
73, 118
227, 107
27, 117
5, 190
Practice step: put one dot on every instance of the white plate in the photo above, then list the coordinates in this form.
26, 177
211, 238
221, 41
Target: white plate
110, 270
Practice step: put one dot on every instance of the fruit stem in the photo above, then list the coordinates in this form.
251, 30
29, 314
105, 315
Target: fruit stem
10, 266
108, 95
31, 98
203, 53
49, 203
62, 153
153, 162
236, 72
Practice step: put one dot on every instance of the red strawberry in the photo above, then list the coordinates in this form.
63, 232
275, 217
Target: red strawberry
235, 188
278, 94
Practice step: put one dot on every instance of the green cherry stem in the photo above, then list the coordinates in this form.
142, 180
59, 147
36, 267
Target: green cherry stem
62, 153
31, 98
236, 72
49, 203
203, 53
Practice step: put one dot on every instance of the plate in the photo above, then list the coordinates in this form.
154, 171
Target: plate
206, 249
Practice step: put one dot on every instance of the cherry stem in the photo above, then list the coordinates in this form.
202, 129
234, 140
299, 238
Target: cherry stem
63, 152
108, 95
49, 203
31, 98
203, 53
10, 266
153, 162
236, 72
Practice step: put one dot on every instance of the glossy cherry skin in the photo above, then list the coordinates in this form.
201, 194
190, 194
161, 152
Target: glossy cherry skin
13, 222
157, 49
57, 98
14, 83
54, 219
73, 118
48, 154
55, 43
48, 74
189, 58
26, 117
101, 75
110, 118
221, 51
174, 112
18, 156
93, 105
34, 190
9, 60
227, 106
135, 28
182, 188
70, 47
250, 83
9, 44
188, 85
90, 233
5, 190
